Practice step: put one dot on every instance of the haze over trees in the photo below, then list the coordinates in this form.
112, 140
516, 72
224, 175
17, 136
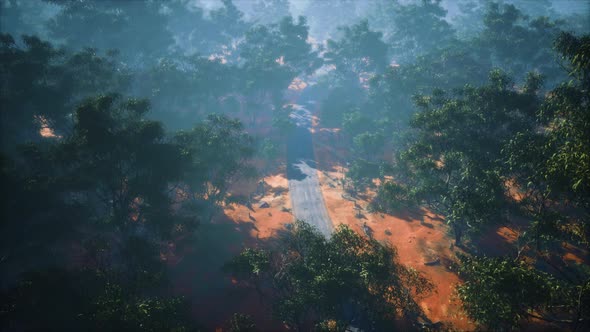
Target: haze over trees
127, 125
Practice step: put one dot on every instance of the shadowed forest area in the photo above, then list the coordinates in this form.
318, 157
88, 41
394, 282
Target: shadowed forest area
294, 165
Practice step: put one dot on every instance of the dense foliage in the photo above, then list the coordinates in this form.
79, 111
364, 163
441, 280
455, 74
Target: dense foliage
348, 279
125, 125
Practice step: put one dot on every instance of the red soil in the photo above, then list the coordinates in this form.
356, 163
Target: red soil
419, 236
266, 221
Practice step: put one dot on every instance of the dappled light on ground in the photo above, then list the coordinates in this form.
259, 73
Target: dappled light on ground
45, 129
265, 219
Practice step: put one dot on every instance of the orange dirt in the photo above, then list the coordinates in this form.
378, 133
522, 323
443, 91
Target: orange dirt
265, 221
419, 236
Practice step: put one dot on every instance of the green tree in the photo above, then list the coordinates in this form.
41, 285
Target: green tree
418, 28
270, 11
500, 292
568, 108
275, 54
116, 157
41, 85
358, 50
348, 278
506, 29
368, 145
88, 300
217, 151
548, 166
114, 25
250, 265
456, 157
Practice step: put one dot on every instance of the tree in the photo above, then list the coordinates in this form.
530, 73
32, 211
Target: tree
210, 34
469, 22
327, 16
368, 145
273, 56
456, 158
391, 197
501, 292
270, 152
568, 108
228, 24
114, 25
552, 164
506, 29
116, 157
355, 123
361, 173
217, 151
551, 177
419, 28
185, 89
88, 300
341, 99
359, 50
24, 17
42, 84
250, 265
270, 11
276, 54
348, 278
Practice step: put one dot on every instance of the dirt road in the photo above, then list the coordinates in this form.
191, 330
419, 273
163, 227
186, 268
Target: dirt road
304, 185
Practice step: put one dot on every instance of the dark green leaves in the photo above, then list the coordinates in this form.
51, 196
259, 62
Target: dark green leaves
337, 279
500, 292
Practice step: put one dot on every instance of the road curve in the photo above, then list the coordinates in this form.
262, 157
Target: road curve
304, 185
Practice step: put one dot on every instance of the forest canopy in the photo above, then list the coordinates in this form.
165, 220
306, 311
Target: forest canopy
132, 129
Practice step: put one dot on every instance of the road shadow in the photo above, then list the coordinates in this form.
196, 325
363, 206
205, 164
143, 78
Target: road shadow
294, 171
299, 150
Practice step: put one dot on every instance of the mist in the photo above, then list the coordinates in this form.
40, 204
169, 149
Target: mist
294, 165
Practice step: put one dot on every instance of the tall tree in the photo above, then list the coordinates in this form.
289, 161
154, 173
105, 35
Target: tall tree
549, 166
114, 25
117, 158
41, 84
349, 279
359, 50
456, 158
506, 29
218, 151
275, 54
419, 28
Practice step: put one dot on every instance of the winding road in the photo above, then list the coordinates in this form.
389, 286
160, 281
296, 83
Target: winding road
304, 185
